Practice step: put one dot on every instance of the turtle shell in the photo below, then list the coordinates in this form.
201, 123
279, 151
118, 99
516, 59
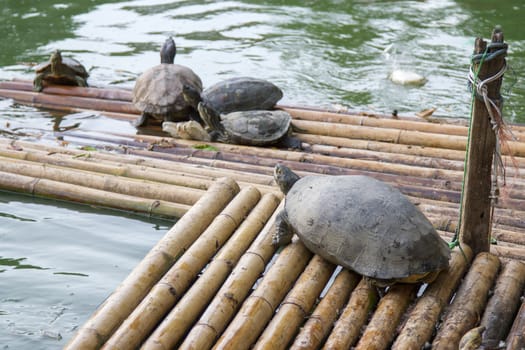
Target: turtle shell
158, 91
242, 94
75, 66
256, 128
364, 225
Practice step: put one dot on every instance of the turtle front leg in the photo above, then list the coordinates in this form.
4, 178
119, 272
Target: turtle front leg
283, 230
81, 81
37, 82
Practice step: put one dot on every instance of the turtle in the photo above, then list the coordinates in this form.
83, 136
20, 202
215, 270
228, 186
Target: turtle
158, 91
60, 70
253, 128
362, 224
240, 94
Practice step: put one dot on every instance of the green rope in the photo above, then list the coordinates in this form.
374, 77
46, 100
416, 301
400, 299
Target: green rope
455, 239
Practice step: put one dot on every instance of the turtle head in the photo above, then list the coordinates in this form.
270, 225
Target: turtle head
168, 51
284, 177
211, 118
56, 57
191, 95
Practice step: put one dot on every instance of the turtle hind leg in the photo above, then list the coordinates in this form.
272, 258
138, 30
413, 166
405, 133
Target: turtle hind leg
142, 120
81, 81
283, 230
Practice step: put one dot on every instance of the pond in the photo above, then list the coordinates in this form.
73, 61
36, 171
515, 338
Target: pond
59, 261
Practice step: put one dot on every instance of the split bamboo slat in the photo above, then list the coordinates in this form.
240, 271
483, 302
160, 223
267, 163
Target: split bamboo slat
216, 281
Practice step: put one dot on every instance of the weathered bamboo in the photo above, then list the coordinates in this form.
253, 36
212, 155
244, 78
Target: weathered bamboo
381, 329
468, 303
516, 338
476, 214
320, 322
110, 314
109, 183
234, 290
503, 304
259, 307
379, 146
184, 271
64, 191
424, 126
419, 326
296, 306
348, 327
187, 310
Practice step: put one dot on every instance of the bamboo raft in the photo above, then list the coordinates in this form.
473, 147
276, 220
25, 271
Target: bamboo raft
215, 281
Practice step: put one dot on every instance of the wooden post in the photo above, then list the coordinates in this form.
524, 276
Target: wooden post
476, 214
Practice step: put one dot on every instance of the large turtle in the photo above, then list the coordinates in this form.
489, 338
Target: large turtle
158, 91
240, 94
60, 70
362, 224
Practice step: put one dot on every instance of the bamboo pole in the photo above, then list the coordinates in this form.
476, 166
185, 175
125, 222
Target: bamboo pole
172, 286
296, 306
468, 303
234, 290
258, 309
64, 191
503, 304
109, 183
348, 327
110, 314
191, 305
418, 328
476, 215
516, 338
320, 322
381, 329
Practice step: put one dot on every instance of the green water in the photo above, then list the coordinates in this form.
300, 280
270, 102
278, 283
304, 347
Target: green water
58, 262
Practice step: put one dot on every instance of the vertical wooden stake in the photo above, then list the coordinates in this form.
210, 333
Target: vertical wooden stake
476, 214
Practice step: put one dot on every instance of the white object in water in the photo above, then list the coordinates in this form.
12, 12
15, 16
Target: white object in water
404, 77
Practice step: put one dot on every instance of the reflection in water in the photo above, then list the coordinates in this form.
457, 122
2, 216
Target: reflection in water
16, 263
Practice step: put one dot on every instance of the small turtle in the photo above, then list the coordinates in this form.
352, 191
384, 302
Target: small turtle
362, 224
60, 70
240, 94
253, 128
158, 91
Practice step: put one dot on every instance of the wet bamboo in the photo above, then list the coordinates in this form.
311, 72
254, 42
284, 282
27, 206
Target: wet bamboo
504, 303
106, 93
191, 305
61, 101
354, 316
516, 338
468, 303
320, 322
418, 328
234, 290
259, 307
172, 286
380, 331
109, 183
112, 312
75, 193
296, 306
